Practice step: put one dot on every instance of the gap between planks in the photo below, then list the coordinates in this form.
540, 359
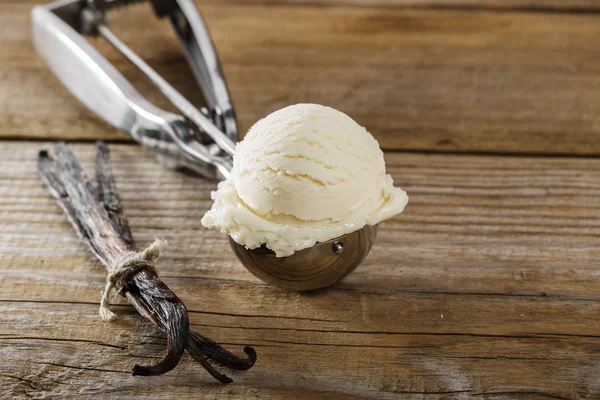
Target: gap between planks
129, 142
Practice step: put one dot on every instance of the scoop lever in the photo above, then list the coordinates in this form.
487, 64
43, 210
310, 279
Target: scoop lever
177, 140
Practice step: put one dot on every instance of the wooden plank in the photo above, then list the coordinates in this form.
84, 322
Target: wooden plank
424, 79
530, 5
486, 286
66, 353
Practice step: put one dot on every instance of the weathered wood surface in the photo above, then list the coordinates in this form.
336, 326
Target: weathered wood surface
486, 287
418, 78
529, 5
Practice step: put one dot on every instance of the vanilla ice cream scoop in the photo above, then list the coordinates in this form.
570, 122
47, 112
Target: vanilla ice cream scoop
302, 175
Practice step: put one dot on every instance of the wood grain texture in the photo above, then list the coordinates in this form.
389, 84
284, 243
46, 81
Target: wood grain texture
529, 5
486, 287
424, 79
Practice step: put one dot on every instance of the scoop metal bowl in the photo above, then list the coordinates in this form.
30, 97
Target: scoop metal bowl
317, 267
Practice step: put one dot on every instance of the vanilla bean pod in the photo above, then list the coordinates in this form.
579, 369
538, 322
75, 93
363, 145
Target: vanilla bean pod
97, 216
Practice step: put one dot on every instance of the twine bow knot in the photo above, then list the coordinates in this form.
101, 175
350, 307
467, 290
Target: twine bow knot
124, 268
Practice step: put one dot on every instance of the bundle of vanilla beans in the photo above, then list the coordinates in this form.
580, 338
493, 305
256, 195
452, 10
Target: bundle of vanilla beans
94, 209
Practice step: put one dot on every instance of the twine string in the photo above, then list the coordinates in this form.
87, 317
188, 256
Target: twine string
128, 264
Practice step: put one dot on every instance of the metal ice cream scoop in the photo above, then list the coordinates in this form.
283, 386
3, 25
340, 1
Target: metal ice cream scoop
317, 267
202, 140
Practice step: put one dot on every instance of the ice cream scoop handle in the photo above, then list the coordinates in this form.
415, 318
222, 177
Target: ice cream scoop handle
104, 90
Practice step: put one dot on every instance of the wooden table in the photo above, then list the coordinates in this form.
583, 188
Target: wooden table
486, 286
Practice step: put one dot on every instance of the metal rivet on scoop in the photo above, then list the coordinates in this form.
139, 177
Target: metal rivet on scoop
338, 248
